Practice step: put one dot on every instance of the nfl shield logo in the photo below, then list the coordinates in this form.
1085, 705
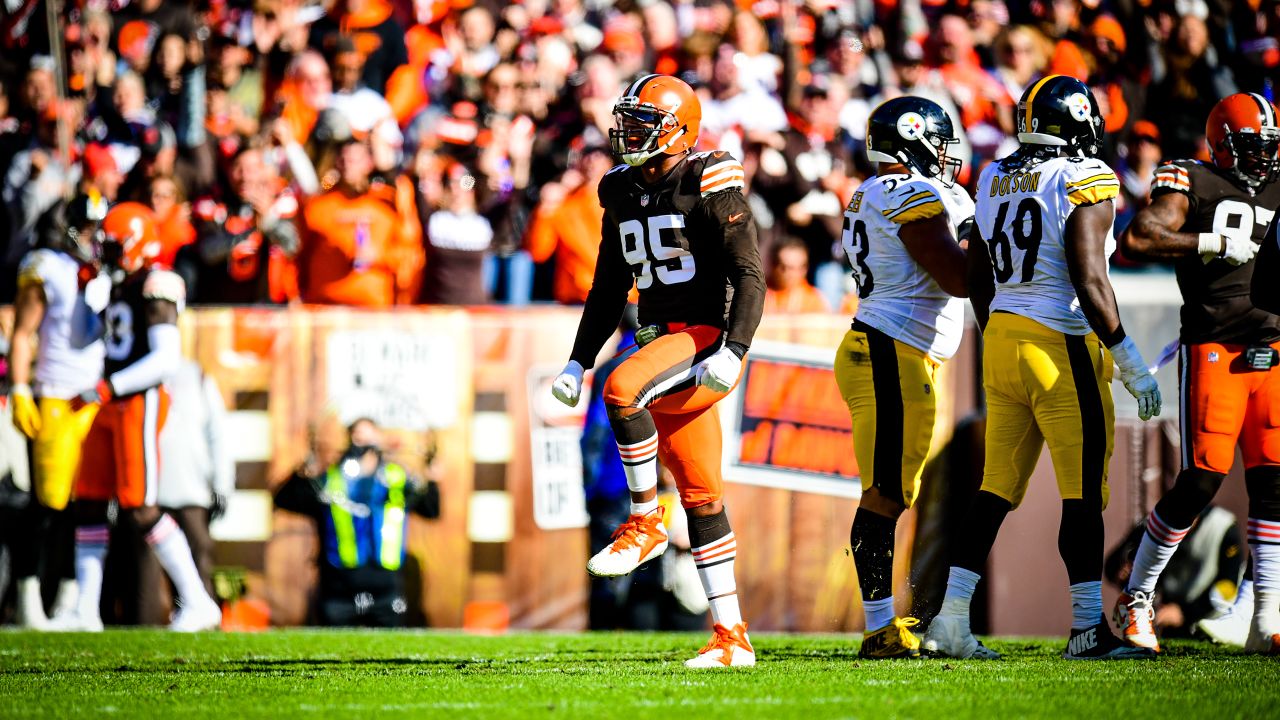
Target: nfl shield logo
1213, 357
644, 200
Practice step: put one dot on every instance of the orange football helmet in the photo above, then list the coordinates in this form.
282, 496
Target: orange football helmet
656, 115
130, 240
1243, 136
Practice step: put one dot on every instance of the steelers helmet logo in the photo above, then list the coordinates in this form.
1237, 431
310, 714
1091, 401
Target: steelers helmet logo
911, 126
1079, 106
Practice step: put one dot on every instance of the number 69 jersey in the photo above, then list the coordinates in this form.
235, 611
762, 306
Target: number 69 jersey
1022, 213
1216, 305
897, 296
687, 242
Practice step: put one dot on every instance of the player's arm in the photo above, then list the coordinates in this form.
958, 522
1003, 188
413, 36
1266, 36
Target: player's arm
28, 311
930, 244
1153, 234
1086, 236
737, 228
979, 278
163, 291
605, 300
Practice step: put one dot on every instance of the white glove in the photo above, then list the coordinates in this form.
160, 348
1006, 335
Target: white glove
567, 386
1236, 251
97, 293
1136, 378
720, 371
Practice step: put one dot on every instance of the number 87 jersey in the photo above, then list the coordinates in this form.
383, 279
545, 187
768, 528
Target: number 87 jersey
1022, 212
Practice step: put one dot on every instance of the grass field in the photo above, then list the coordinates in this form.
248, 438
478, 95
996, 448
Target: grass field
146, 673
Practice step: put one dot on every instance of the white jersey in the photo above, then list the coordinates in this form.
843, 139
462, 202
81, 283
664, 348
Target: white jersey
62, 371
1022, 214
898, 297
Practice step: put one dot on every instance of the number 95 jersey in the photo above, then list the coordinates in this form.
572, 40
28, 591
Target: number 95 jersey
1021, 214
687, 241
1216, 305
896, 295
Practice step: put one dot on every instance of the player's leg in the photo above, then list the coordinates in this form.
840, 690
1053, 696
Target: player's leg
662, 367
94, 488
57, 460
1260, 447
1212, 405
889, 389
690, 447
1013, 444
1074, 409
139, 449
1232, 626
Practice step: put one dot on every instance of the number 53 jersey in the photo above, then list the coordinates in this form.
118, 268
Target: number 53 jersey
896, 295
1021, 214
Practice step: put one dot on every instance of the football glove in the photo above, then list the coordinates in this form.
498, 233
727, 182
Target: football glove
97, 293
567, 386
1137, 379
1236, 251
26, 415
720, 371
100, 394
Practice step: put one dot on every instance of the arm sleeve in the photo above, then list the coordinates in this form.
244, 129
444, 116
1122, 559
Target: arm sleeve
912, 201
1090, 182
224, 464
301, 494
606, 299
1173, 177
151, 369
729, 212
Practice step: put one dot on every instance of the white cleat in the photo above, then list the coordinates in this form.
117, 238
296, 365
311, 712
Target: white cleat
30, 611
1229, 628
75, 622
637, 541
1264, 638
727, 648
199, 615
1134, 616
949, 636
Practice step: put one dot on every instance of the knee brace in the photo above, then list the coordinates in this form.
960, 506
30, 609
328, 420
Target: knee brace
1190, 495
1263, 484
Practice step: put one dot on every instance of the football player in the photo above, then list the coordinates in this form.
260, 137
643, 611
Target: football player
1041, 291
1209, 218
903, 231
121, 453
50, 298
676, 225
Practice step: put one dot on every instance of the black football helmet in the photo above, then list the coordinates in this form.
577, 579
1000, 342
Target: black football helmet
72, 226
914, 132
1059, 111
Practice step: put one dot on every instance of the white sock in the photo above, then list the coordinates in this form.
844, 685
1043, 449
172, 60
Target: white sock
68, 592
879, 613
91, 553
715, 561
1264, 544
961, 585
1244, 596
640, 463
1086, 604
1159, 543
171, 547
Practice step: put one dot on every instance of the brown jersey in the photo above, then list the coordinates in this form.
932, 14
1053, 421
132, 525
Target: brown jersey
127, 319
1216, 306
689, 245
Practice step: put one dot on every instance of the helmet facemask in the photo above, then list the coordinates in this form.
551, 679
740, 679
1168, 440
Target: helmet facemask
947, 168
1257, 155
639, 130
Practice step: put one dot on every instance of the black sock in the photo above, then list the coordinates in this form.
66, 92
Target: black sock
985, 516
1080, 539
872, 538
634, 428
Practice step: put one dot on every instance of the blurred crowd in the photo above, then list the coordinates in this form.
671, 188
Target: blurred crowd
382, 152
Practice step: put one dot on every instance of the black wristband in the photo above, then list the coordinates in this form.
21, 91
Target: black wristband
736, 348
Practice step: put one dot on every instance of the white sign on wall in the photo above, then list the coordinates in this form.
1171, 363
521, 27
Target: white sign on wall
401, 380
555, 434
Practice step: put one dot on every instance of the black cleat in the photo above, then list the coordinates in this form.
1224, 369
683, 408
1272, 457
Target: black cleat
1097, 643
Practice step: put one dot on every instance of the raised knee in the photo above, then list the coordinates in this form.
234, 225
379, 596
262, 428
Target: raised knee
1191, 494
144, 517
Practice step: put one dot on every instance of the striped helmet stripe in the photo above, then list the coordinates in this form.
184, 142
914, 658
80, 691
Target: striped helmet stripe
1268, 112
639, 84
1031, 97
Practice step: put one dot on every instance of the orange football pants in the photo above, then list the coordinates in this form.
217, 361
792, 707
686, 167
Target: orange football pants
121, 457
1225, 404
661, 377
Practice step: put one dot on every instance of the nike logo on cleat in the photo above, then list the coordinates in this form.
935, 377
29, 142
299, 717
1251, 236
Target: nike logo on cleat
1083, 642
